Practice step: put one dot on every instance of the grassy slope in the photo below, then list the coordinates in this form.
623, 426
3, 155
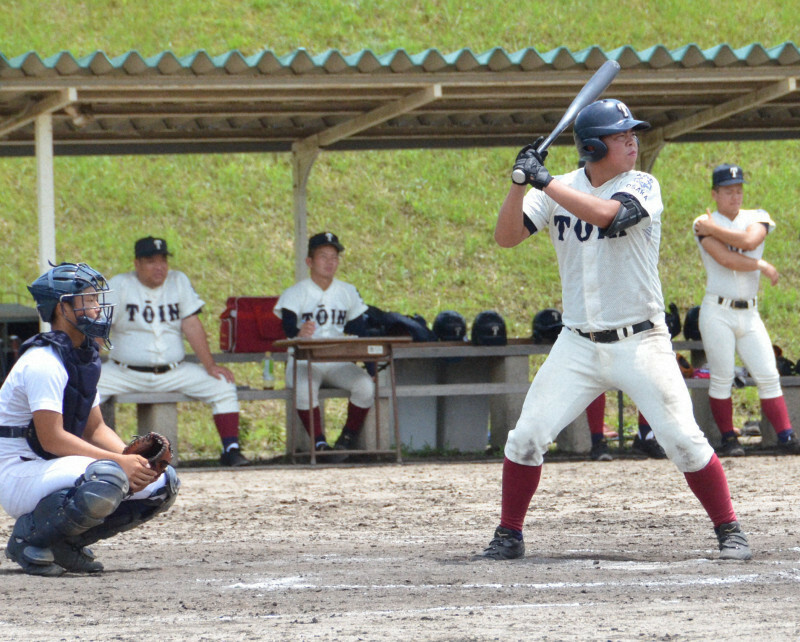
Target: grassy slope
417, 224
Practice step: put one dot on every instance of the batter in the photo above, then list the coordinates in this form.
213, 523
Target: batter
62, 472
731, 242
604, 221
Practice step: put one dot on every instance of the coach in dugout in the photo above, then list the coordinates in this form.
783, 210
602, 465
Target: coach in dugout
156, 308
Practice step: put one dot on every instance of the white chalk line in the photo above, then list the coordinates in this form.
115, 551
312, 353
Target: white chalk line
299, 584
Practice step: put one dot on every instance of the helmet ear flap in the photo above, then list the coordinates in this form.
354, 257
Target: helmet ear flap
593, 149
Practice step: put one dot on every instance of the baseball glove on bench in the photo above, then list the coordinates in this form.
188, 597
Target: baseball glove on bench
155, 448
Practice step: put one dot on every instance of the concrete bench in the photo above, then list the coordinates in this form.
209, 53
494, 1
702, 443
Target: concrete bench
450, 396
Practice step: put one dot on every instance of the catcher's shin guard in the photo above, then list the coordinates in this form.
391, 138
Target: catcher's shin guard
65, 514
71, 511
133, 512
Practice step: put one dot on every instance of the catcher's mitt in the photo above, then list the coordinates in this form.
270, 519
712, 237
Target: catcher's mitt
155, 448
686, 368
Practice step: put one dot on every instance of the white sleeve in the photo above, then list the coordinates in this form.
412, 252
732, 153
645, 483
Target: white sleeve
190, 301
645, 189
44, 379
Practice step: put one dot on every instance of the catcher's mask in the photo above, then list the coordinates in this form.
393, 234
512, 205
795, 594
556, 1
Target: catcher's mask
489, 329
84, 288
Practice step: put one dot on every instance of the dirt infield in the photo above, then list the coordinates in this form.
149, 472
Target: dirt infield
616, 551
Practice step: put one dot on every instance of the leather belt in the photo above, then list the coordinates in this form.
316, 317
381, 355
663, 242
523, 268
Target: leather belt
150, 369
739, 304
12, 432
611, 336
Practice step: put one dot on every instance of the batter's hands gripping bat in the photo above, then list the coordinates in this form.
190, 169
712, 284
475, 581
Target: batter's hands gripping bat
590, 92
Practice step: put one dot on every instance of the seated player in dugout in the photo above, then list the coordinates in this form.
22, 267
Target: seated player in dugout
320, 307
63, 474
158, 307
604, 221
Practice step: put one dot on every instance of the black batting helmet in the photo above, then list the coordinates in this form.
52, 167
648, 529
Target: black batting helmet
601, 118
673, 320
450, 326
489, 329
547, 325
691, 324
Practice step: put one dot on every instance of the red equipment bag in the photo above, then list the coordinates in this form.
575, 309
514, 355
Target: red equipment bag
248, 324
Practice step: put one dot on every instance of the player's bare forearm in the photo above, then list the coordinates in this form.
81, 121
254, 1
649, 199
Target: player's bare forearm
99, 434
748, 239
510, 229
737, 261
59, 442
196, 336
591, 209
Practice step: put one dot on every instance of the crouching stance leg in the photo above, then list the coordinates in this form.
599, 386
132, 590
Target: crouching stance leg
42, 540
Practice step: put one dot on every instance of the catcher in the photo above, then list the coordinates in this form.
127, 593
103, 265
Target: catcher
66, 477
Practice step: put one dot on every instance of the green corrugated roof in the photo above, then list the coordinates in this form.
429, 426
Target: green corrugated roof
300, 61
365, 100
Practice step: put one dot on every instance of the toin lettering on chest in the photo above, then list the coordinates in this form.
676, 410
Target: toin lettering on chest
150, 313
582, 231
322, 316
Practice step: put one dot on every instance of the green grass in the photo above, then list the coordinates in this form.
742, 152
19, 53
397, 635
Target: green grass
417, 224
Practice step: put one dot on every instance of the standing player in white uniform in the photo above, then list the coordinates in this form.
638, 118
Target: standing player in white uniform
731, 242
156, 307
323, 307
605, 223
62, 472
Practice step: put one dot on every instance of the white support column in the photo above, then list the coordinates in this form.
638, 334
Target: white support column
45, 194
303, 156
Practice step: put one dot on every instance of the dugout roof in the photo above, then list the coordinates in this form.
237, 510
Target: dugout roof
303, 102
131, 104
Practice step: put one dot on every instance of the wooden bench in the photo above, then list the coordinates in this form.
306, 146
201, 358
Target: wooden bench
451, 396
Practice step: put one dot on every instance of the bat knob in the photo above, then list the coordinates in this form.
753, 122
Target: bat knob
518, 176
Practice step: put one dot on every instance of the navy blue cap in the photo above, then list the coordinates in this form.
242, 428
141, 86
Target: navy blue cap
727, 174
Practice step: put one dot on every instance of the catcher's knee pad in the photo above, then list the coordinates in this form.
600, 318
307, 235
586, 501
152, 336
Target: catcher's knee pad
96, 494
134, 512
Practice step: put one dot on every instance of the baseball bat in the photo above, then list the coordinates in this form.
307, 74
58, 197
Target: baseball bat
590, 92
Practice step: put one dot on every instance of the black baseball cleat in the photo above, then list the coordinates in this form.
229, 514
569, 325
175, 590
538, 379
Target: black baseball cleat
505, 545
732, 542
75, 558
33, 559
600, 452
346, 441
730, 447
789, 447
233, 458
649, 448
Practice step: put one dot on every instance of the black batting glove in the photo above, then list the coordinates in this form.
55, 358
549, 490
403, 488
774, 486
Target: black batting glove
529, 167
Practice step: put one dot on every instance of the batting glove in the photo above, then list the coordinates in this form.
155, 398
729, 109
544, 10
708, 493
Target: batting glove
529, 167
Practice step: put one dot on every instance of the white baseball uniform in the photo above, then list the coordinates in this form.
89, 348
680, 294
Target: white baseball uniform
146, 332
736, 330
36, 382
330, 310
608, 283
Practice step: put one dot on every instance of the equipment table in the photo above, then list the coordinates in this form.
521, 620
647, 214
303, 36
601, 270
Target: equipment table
374, 350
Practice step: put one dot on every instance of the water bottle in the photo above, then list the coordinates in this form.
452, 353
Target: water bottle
269, 377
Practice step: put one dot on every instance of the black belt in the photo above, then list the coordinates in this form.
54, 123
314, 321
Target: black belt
150, 369
12, 432
740, 304
610, 336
